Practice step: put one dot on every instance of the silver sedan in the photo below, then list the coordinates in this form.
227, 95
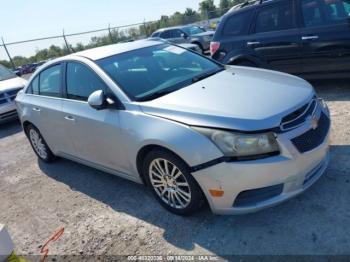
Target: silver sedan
194, 131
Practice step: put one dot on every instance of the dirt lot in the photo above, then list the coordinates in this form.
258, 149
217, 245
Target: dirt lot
103, 214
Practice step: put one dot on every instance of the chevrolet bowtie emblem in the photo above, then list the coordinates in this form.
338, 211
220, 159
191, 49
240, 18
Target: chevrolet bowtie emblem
314, 122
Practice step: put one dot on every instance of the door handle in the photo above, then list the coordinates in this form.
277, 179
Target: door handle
36, 109
310, 37
253, 43
69, 118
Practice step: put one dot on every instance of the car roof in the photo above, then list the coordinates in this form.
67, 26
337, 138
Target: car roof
247, 6
110, 50
173, 27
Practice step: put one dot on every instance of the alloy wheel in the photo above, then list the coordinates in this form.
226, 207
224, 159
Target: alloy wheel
38, 143
169, 183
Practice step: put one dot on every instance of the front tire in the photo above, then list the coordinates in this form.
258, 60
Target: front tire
39, 145
172, 183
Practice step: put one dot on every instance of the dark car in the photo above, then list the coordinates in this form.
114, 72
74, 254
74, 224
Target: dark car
310, 38
190, 34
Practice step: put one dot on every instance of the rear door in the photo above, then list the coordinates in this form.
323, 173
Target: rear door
174, 35
276, 37
166, 35
325, 35
45, 107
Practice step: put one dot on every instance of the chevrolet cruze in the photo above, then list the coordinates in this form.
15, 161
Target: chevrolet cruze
191, 129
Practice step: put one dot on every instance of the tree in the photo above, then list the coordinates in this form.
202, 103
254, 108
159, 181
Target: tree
207, 9
224, 6
190, 16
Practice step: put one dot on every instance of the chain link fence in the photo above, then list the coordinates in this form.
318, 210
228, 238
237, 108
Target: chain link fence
73, 42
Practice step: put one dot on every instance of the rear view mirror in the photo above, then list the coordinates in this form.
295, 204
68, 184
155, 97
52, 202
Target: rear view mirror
97, 100
183, 35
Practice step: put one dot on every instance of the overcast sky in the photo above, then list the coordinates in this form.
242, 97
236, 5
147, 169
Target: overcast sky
23, 19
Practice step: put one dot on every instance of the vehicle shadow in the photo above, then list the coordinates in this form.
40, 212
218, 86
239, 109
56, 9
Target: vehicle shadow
316, 222
10, 128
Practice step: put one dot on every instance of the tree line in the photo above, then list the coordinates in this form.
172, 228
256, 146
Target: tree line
206, 10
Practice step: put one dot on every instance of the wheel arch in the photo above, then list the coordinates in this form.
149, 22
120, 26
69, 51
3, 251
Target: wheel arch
197, 42
25, 125
146, 149
239, 58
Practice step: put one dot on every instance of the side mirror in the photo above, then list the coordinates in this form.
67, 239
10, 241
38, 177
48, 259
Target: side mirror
183, 35
97, 100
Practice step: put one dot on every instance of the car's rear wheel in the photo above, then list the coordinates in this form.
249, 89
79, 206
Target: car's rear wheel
39, 145
200, 47
172, 183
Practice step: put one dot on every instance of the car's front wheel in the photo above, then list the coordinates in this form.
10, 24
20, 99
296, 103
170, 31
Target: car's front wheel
172, 183
39, 145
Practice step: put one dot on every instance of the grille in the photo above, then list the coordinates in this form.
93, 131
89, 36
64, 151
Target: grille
9, 114
314, 137
299, 116
13, 93
3, 100
8, 95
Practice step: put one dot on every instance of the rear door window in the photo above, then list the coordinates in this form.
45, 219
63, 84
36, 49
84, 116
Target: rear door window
237, 24
337, 11
312, 13
176, 33
276, 17
156, 34
47, 83
34, 86
50, 81
166, 34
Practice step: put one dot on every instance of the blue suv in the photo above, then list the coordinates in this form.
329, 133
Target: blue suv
309, 38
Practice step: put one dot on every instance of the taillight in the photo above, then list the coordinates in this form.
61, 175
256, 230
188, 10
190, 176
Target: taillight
214, 46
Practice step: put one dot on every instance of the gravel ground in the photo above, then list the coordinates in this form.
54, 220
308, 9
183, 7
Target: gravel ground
103, 214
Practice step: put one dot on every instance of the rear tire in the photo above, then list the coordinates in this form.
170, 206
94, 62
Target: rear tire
171, 183
39, 145
200, 47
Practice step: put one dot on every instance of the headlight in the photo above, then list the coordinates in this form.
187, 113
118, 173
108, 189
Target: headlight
241, 145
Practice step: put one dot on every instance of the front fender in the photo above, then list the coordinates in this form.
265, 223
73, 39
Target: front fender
140, 130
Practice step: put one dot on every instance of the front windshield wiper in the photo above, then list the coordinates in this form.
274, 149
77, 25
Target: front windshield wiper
206, 75
154, 95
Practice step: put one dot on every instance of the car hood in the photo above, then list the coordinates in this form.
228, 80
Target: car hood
12, 83
239, 98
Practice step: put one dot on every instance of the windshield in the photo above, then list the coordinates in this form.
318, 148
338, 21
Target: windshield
193, 30
5, 73
147, 73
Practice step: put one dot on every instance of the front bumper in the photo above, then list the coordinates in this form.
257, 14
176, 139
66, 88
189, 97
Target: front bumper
8, 112
294, 172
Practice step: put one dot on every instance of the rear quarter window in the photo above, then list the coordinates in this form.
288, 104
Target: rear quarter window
237, 24
156, 34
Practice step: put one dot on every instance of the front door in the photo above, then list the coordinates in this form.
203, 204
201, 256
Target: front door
95, 134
